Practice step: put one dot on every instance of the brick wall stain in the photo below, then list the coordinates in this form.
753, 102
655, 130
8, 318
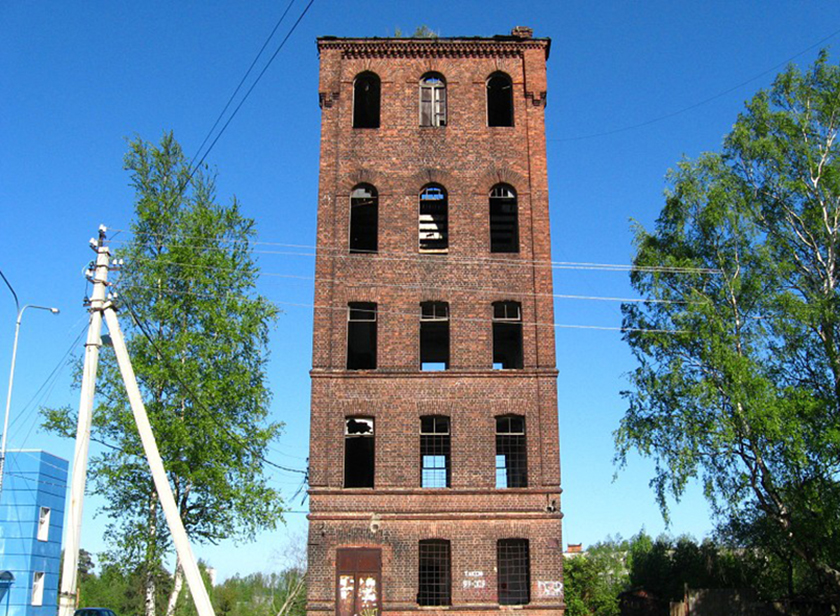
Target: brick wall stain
467, 158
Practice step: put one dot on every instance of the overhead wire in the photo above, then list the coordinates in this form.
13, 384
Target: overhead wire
454, 259
195, 398
422, 286
402, 312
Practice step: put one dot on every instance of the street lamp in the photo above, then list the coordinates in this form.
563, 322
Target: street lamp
20, 312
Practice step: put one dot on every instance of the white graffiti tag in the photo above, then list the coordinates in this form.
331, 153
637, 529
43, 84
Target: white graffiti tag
550, 589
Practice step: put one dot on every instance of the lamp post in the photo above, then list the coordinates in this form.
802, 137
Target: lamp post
20, 312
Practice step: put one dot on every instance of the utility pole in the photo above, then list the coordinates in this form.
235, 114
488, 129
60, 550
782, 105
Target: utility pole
99, 309
69, 575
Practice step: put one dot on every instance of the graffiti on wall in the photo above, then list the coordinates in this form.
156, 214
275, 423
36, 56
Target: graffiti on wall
549, 588
474, 579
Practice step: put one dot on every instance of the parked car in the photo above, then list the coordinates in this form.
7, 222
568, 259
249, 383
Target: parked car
94, 611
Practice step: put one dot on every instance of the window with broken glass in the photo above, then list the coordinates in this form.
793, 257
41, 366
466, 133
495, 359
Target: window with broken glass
433, 100
513, 563
507, 335
361, 336
435, 579
434, 336
434, 451
366, 94
499, 100
511, 453
358, 452
504, 219
434, 224
364, 219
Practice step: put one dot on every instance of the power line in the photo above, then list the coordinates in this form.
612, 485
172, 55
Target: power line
242, 81
251, 89
423, 286
452, 259
406, 313
702, 102
196, 400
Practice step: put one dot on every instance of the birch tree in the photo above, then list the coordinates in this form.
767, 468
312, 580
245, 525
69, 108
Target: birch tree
738, 377
197, 333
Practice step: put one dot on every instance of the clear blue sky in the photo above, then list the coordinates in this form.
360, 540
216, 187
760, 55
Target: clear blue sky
78, 78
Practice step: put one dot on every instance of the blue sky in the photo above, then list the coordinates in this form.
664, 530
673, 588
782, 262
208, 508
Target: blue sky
78, 78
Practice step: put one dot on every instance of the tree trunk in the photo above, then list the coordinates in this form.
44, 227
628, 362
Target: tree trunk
177, 585
151, 550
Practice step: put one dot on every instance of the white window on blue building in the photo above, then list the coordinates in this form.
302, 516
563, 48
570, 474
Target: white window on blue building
44, 524
38, 588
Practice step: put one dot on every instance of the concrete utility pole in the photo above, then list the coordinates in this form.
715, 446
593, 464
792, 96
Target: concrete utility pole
69, 574
100, 308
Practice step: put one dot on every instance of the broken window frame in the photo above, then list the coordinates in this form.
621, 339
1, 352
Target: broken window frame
364, 219
367, 96
513, 565
361, 318
434, 572
504, 219
434, 335
432, 100
435, 451
499, 99
508, 353
359, 452
433, 219
511, 452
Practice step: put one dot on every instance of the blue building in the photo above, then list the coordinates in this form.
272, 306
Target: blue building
31, 521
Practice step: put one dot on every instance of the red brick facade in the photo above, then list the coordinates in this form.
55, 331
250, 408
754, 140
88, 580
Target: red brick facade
467, 158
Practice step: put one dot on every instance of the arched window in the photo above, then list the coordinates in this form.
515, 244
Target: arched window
364, 216
434, 224
499, 100
366, 100
432, 100
504, 219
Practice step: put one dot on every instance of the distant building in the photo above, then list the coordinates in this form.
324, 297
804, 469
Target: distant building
31, 521
434, 460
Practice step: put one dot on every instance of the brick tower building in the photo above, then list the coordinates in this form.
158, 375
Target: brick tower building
434, 464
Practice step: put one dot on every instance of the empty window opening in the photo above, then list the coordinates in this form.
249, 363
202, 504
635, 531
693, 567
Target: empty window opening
435, 583
504, 219
366, 92
358, 452
434, 225
364, 219
38, 588
44, 524
434, 452
359, 572
511, 455
432, 100
507, 335
434, 336
361, 336
499, 100
514, 571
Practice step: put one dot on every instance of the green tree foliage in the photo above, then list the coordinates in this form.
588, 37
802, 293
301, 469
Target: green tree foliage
738, 377
197, 334
593, 581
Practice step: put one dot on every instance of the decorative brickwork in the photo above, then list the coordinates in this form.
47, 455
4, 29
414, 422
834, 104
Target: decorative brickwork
365, 554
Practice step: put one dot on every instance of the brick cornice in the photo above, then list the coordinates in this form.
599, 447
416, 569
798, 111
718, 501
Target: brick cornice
496, 47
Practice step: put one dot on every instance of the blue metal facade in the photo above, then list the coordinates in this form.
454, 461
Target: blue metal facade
34, 480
